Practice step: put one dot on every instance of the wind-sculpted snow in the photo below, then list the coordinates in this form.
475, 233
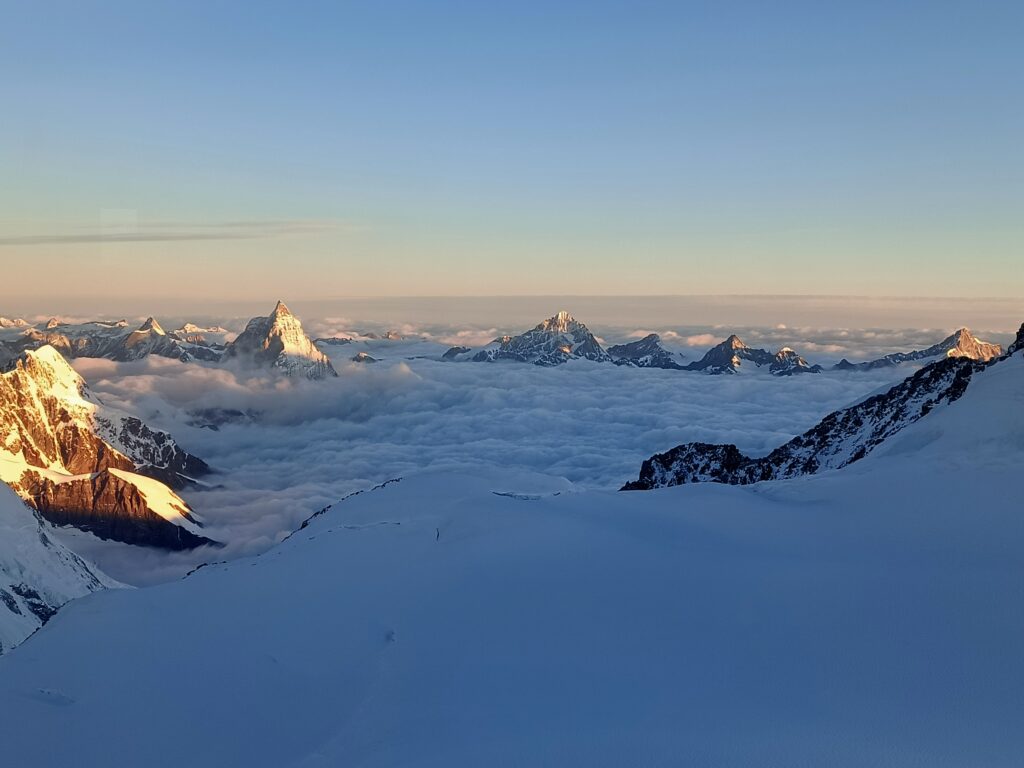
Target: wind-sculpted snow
841, 438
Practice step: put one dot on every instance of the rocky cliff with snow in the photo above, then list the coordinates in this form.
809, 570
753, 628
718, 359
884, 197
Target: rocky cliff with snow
841, 438
278, 342
81, 464
647, 352
553, 342
729, 356
961, 343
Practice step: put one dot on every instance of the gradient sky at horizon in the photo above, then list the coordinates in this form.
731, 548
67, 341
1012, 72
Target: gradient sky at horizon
311, 150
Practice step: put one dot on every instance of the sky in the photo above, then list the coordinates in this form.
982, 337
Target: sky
311, 151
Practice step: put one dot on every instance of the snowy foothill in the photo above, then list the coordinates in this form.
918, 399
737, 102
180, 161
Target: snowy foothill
866, 616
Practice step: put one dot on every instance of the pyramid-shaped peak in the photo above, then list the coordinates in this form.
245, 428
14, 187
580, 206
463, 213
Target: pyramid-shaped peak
281, 309
734, 342
559, 322
151, 324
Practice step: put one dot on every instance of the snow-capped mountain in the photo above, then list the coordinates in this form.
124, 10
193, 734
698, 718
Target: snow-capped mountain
786, 362
38, 574
8, 322
278, 341
647, 352
555, 341
116, 341
88, 466
729, 356
961, 343
841, 438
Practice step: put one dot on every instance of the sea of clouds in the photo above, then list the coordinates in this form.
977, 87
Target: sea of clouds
312, 442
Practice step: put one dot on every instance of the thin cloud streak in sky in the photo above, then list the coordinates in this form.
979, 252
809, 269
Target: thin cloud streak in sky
185, 231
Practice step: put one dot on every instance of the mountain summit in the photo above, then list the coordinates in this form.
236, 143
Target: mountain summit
556, 340
729, 356
960, 343
278, 341
81, 464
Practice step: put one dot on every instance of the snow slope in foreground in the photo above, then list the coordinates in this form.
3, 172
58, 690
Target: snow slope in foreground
870, 616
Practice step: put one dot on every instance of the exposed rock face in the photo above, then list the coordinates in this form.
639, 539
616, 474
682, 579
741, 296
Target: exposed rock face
787, 362
52, 453
645, 353
961, 343
841, 438
1018, 343
729, 356
555, 341
278, 341
154, 452
455, 352
363, 357
110, 505
38, 574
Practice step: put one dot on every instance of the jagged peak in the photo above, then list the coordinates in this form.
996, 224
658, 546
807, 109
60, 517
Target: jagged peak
152, 325
734, 342
560, 321
281, 310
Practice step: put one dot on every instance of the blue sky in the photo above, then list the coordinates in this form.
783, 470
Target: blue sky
443, 148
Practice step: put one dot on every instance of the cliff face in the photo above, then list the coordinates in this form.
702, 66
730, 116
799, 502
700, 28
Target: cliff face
54, 455
841, 438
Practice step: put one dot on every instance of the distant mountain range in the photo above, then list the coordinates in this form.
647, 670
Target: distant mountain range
562, 338
276, 342
841, 438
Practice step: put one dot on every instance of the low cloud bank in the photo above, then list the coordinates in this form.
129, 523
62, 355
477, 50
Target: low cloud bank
313, 442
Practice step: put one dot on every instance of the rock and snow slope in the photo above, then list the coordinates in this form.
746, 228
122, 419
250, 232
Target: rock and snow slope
961, 343
647, 352
278, 342
841, 438
864, 617
729, 356
555, 341
38, 574
81, 464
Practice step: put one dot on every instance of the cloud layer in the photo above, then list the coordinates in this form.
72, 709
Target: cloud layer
316, 441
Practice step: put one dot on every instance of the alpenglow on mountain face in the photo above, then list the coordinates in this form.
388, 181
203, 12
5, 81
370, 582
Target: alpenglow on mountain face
555, 341
961, 343
93, 468
278, 341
